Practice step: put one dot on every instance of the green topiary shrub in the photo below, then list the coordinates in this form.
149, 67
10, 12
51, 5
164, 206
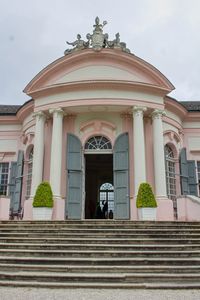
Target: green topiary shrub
145, 196
43, 196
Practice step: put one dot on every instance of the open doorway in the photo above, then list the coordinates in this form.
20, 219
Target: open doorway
98, 170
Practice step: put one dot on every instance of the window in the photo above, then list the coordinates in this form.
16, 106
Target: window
171, 176
4, 169
107, 195
29, 174
198, 174
98, 143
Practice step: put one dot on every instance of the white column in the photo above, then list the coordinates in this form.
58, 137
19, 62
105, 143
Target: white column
138, 147
38, 154
159, 157
56, 151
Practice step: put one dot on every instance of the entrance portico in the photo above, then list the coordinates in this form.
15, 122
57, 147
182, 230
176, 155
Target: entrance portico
98, 85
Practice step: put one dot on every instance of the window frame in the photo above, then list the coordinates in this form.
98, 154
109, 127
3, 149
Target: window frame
5, 190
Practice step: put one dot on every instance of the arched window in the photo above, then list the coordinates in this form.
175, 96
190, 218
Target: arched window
29, 174
98, 143
107, 195
171, 175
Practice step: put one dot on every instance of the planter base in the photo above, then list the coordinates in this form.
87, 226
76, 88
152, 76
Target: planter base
42, 213
147, 213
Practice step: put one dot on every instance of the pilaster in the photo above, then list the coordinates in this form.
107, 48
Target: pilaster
56, 151
38, 152
138, 147
158, 151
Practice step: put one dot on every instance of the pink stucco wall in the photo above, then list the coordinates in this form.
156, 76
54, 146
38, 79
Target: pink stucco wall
188, 208
4, 208
165, 211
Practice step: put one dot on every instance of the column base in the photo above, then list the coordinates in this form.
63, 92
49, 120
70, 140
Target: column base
58, 208
28, 209
4, 208
165, 210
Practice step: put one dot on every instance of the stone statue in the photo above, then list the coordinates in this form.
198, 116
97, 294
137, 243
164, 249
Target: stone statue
117, 44
97, 26
97, 40
78, 45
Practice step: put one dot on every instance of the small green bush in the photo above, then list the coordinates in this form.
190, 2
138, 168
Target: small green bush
43, 196
145, 196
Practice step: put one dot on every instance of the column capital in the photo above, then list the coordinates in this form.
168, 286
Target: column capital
138, 110
158, 114
39, 114
58, 111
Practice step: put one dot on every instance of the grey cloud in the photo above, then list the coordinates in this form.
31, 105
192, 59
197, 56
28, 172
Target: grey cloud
163, 32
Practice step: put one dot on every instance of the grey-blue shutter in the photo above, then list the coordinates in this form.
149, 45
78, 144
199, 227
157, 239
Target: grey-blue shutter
184, 178
192, 178
12, 183
18, 186
121, 177
74, 169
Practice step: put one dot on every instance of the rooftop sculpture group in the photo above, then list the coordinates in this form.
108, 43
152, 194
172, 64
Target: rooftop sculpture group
97, 40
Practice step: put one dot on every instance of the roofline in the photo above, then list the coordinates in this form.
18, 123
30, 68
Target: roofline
25, 103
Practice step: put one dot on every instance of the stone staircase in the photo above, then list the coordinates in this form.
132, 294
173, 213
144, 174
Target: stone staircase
100, 254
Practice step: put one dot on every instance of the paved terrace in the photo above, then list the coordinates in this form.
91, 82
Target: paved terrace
96, 294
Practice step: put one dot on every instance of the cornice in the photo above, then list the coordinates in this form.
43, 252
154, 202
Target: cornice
99, 84
25, 110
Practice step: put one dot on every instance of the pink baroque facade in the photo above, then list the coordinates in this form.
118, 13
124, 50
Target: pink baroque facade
99, 123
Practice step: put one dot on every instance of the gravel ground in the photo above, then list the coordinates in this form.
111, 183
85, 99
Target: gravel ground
95, 294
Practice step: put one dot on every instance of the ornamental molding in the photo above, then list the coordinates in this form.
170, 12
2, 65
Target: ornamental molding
57, 112
158, 114
97, 40
138, 111
39, 115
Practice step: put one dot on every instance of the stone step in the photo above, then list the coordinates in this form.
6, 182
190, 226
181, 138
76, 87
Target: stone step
101, 261
105, 285
124, 247
100, 240
59, 235
99, 277
18, 267
98, 253
90, 221
105, 253
101, 230
98, 224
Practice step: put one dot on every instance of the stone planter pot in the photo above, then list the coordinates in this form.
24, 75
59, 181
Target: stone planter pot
147, 213
42, 213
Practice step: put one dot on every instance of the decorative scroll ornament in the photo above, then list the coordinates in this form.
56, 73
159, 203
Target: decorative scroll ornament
97, 40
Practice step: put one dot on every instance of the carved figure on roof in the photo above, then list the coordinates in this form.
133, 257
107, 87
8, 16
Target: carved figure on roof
117, 44
98, 39
97, 26
78, 44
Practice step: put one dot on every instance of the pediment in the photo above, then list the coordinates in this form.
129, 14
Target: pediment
102, 72
108, 65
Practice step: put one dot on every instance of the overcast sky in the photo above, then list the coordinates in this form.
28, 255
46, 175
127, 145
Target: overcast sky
33, 33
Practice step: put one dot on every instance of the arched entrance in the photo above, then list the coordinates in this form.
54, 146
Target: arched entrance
98, 170
89, 168
106, 196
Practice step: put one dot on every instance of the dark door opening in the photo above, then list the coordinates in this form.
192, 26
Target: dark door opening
98, 170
